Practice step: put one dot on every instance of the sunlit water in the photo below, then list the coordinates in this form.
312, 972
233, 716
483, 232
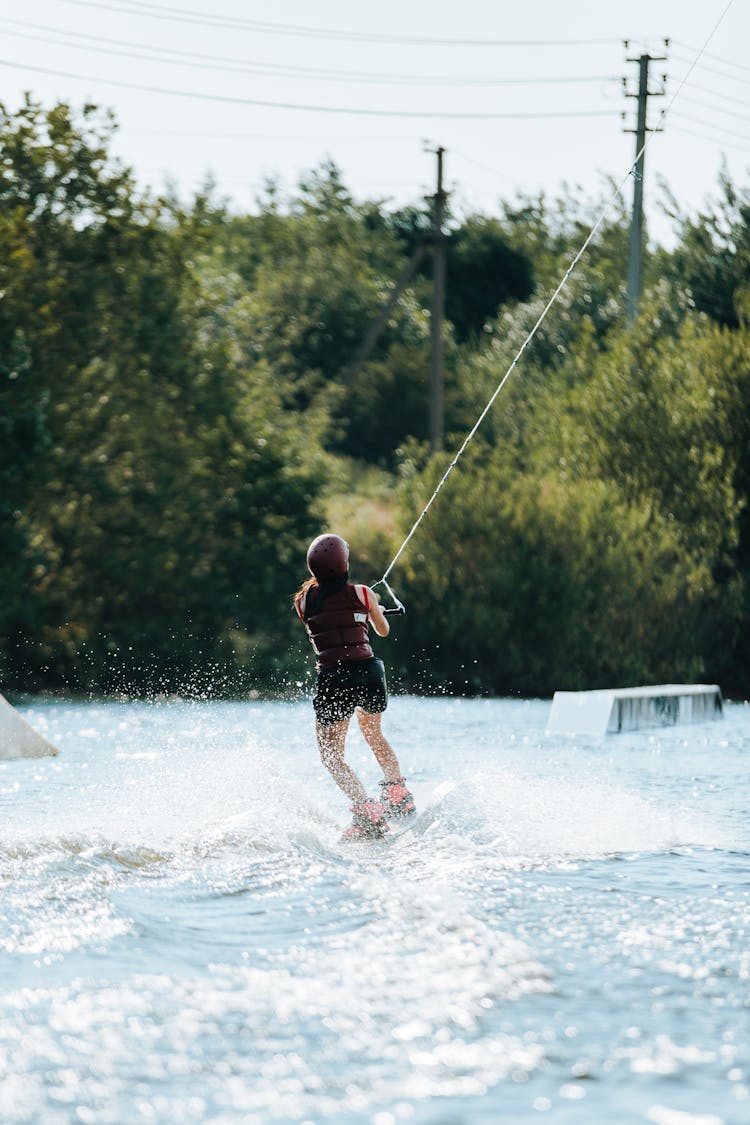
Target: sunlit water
563, 936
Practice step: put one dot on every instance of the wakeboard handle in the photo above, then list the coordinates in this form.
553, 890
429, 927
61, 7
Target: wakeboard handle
398, 608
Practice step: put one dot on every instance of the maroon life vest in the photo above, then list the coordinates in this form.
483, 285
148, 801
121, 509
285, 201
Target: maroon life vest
337, 626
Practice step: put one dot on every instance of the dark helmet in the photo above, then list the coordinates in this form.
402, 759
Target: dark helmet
328, 557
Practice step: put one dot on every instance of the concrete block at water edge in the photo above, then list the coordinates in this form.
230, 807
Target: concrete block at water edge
609, 711
18, 739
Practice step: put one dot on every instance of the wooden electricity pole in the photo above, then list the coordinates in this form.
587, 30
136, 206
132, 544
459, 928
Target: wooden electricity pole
438, 310
637, 240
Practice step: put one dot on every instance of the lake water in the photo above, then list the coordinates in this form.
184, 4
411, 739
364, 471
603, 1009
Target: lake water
564, 936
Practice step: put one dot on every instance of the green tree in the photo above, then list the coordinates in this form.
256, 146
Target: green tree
56, 184
162, 525
483, 271
711, 261
318, 271
524, 585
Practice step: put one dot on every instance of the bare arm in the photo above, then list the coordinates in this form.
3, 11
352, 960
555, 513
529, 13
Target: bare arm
378, 621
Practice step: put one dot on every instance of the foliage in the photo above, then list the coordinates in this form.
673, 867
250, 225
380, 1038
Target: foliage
483, 270
181, 410
712, 259
160, 495
317, 277
543, 583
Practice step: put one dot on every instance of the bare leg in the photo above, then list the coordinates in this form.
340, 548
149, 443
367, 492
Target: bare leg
370, 726
331, 742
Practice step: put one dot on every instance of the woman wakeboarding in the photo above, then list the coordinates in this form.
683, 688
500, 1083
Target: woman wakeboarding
337, 614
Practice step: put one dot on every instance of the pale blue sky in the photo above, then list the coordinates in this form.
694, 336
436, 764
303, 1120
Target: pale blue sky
400, 59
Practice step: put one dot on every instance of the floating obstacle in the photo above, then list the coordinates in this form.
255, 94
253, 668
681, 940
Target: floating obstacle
18, 739
637, 708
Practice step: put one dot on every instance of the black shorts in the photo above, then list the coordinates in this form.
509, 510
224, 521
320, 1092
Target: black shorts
361, 683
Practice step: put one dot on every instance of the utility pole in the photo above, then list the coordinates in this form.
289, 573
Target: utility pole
635, 252
438, 310
437, 240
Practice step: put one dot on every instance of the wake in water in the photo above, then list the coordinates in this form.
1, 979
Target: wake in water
167, 807
183, 928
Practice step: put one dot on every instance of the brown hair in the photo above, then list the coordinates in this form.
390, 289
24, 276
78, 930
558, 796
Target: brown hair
306, 585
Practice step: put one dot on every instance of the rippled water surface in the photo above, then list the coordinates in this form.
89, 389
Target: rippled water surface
564, 935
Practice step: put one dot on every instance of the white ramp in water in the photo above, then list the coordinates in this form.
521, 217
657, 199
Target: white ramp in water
17, 738
609, 711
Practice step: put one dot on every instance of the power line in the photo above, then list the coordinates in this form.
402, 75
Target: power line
711, 140
716, 58
478, 164
202, 61
708, 124
325, 138
181, 15
713, 70
718, 94
307, 107
717, 108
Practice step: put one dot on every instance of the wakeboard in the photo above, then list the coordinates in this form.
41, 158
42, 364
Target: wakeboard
427, 798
